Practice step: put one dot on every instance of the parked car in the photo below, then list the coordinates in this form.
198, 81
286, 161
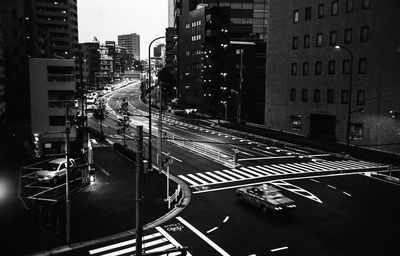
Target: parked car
52, 171
266, 197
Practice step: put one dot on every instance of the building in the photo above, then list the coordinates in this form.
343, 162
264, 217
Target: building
106, 73
132, 44
52, 88
90, 63
343, 95
2, 80
207, 81
33, 29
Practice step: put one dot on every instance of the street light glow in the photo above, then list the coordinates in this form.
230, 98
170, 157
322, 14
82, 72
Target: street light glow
337, 47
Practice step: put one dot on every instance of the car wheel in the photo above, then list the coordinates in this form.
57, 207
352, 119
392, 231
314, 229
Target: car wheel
55, 180
264, 209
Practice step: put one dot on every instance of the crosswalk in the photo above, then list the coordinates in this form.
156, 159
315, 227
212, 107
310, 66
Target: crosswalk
155, 242
259, 171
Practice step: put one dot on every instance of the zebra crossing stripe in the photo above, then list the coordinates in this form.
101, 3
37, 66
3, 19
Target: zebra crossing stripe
265, 167
242, 172
293, 169
162, 248
225, 175
300, 167
320, 167
251, 171
207, 178
216, 176
197, 178
231, 172
183, 177
285, 171
258, 169
277, 171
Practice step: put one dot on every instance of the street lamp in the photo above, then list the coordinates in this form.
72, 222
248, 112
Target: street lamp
350, 92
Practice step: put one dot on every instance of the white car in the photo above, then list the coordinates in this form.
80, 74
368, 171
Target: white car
53, 170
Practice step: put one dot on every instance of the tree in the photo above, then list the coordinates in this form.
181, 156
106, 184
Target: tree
167, 79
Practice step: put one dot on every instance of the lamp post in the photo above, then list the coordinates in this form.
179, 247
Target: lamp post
350, 92
149, 166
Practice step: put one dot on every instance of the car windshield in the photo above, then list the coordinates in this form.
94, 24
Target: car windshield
274, 194
49, 166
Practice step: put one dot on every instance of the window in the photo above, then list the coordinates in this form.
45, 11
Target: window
296, 16
360, 97
344, 97
56, 120
294, 69
304, 95
365, 4
295, 43
364, 34
362, 66
356, 131
334, 8
319, 39
295, 122
318, 67
320, 11
347, 36
317, 95
349, 5
331, 67
306, 68
333, 38
293, 94
346, 67
308, 14
329, 96
306, 41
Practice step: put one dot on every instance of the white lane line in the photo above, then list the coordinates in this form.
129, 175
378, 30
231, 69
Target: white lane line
202, 236
265, 158
279, 249
226, 219
316, 181
332, 187
103, 170
347, 194
42, 199
104, 125
211, 230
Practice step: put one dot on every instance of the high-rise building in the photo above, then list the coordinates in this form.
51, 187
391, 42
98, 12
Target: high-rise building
2, 79
33, 29
132, 43
90, 63
340, 94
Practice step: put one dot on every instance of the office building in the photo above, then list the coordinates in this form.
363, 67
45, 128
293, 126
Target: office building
132, 44
2, 79
314, 89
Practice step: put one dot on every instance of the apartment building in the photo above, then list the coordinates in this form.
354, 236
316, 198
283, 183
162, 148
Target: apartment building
132, 44
343, 93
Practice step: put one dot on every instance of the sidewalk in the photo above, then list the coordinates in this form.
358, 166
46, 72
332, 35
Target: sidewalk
104, 208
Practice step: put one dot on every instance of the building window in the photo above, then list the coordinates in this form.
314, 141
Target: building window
296, 16
306, 41
304, 95
349, 5
317, 95
319, 40
356, 131
362, 66
306, 68
295, 122
318, 68
333, 38
331, 67
308, 14
293, 94
346, 67
294, 69
347, 36
364, 34
320, 11
329, 96
295, 43
56, 120
334, 8
365, 4
344, 97
360, 97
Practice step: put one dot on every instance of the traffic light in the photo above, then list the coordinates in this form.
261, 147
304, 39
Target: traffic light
37, 148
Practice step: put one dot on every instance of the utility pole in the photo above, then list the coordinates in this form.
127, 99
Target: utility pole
67, 202
240, 87
159, 139
139, 192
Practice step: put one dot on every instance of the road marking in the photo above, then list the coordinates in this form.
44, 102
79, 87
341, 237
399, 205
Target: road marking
104, 125
279, 249
42, 199
226, 219
347, 194
316, 181
202, 236
264, 151
211, 230
265, 158
332, 187
170, 239
177, 159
